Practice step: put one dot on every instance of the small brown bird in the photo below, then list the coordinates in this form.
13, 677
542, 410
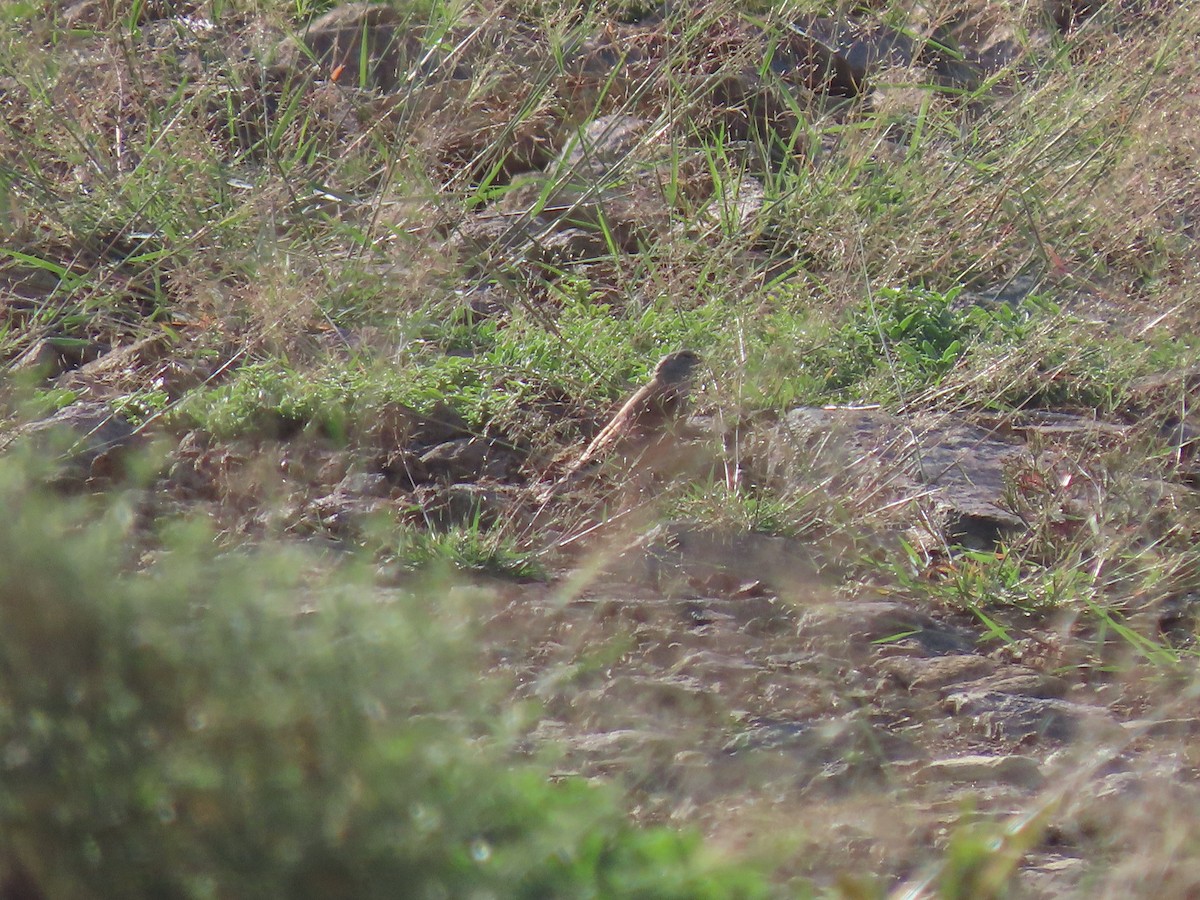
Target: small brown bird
644, 420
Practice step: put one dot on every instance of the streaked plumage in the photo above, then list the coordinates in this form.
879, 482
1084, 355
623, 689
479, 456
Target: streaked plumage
644, 419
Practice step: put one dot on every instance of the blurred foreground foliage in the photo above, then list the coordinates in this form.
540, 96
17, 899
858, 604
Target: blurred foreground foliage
204, 724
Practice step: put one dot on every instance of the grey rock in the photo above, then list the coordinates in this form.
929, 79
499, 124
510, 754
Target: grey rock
398, 426
841, 56
1018, 718
467, 459
603, 146
1018, 680
364, 484
857, 627
1022, 771
602, 186
1181, 727
837, 56
104, 367
919, 673
463, 504
1006, 293
953, 469
42, 359
964, 466
499, 239
1051, 877
343, 512
50, 357
681, 557
88, 439
828, 753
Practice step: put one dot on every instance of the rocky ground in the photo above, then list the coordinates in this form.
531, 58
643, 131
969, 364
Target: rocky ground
765, 687
790, 692
860, 697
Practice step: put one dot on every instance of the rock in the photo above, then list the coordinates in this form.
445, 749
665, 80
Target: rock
609, 747
857, 627
42, 359
1169, 401
468, 459
358, 496
1012, 292
603, 147
1070, 14
334, 468
1017, 680
1165, 388
678, 556
953, 470
50, 357
607, 180
357, 43
1021, 771
198, 469
514, 240
746, 203
756, 617
1050, 878
610, 66
88, 439
397, 426
838, 56
603, 187
464, 504
920, 673
562, 247
486, 301
364, 484
118, 362
337, 514
742, 105
1018, 718
824, 739
1187, 728
455, 460
403, 467
964, 468
1051, 424
103, 13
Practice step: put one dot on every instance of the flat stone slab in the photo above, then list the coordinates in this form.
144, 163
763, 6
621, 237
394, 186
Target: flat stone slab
1019, 718
1021, 771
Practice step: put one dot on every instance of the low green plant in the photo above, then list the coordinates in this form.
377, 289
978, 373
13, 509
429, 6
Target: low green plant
141, 406
273, 398
469, 548
757, 510
904, 340
509, 368
988, 583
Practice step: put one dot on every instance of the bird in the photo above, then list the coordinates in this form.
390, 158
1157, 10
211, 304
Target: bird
644, 420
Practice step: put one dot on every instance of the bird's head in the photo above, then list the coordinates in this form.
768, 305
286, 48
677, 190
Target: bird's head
677, 367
